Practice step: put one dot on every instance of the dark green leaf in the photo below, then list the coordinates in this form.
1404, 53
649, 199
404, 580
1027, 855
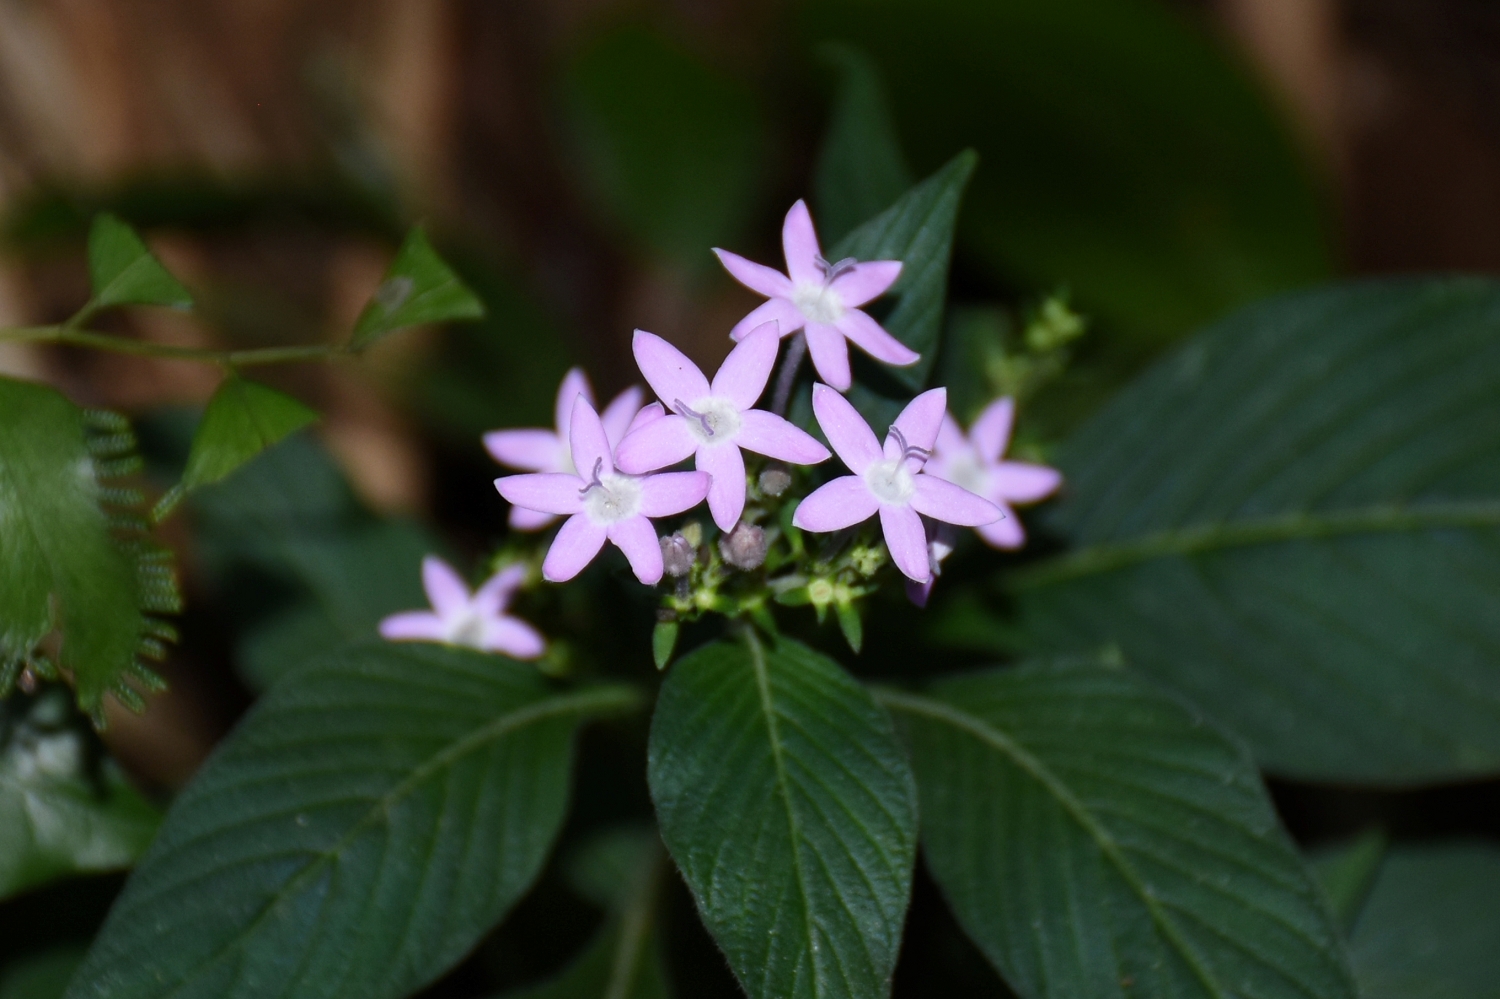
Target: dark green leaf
918, 231
369, 820
1348, 872
860, 171
40, 976
790, 809
1095, 838
61, 567
663, 641
1296, 521
242, 420
418, 289
123, 271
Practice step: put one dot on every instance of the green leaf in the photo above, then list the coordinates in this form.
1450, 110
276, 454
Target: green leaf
1296, 521
663, 641
1348, 872
242, 420
40, 976
60, 814
123, 271
418, 289
1429, 927
1095, 838
790, 810
918, 231
73, 558
367, 822
860, 171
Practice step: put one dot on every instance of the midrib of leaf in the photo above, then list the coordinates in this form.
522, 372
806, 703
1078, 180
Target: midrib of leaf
939, 711
601, 699
140, 261
1254, 531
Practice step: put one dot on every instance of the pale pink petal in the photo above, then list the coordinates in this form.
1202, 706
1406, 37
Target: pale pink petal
658, 444
799, 241
919, 422
494, 596
637, 539
527, 450
866, 282
1021, 482
414, 626
836, 505
771, 435
591, 448
845, 429
743, 375
576, 544
668, 493
513, 637
620, 413
1004, 533
446, 590
951, 441
522, 519
906, 540
648, 414
919, 593
726, 494
574, 384
756, 277
942, 500
544, 492
787, 317
830, 355
991, 432
870, 337
672, 376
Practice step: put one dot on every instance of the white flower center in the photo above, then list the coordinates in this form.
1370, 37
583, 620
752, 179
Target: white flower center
712, 420
611, 498
819, 303
968, 472
467, 629
891, 481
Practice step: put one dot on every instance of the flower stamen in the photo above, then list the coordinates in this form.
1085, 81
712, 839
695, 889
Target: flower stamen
910, 450
594, 480
835, 270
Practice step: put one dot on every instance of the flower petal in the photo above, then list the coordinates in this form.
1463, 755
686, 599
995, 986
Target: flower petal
514, 638
918, 593
836, 505
445, 588
906, 540
950, 442
846, 430
1021, 482
919, 422
669, 371
588, 441
575, 546
872, 338
647, 414
574, 384
726, 494
743, 375
414, 626
544, 492
775, 437
991, 432
522, 519
799, 241
942, 500
830, 355
658, 444
866, 282
668, 493
757, 277
494, 596
620, 413
527, 450
1006, 533
787, 317
637, 539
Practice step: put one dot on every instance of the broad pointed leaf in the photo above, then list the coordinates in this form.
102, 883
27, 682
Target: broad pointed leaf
123, 271
790, 810
418, 289
369, 820
861, 171
1095, 838
1296, 521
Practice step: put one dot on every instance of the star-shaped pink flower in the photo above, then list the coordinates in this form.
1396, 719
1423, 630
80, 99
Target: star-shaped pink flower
539, 450
821, 297
477, 621
975, 463
889, 480
714, 421
602, 504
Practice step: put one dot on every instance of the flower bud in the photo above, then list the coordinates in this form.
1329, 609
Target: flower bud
677, 555
775, 481
744, 547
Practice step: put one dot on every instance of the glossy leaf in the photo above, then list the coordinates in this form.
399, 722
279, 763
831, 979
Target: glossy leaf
418, 289
123, 271
1296, 521
790, 810
918, 231
861, 170
242, 419
367, 822
1095, 838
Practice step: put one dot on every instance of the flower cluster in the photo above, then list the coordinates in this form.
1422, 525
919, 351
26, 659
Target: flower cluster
609, 473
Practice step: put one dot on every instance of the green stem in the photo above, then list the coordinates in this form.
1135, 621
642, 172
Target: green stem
66, 334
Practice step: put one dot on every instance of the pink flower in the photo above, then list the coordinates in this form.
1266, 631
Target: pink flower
974, 462
548, 451
823, 297
477, 621
714, 421
940, 539
889, 480
603, 504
